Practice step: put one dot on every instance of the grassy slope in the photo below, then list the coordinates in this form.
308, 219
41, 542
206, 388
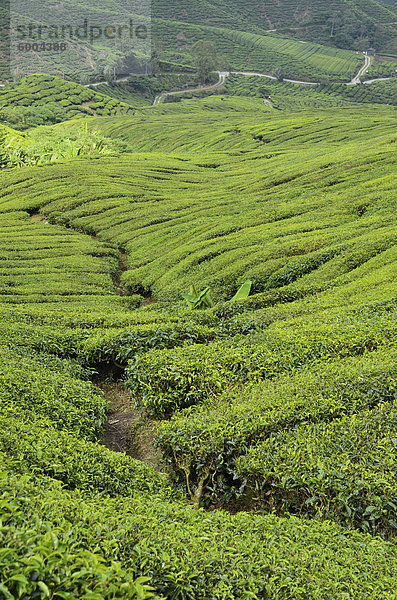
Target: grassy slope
237, 32
217, 190
309, 21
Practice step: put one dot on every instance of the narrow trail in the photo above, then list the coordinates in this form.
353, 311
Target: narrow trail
362, 71
128, 430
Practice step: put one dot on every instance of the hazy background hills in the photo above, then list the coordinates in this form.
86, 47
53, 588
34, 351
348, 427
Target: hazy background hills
343, 23
249, 34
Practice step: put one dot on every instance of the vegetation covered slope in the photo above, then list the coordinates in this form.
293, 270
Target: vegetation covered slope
240, 33
287, 96
44, 99
341, 23
273, 405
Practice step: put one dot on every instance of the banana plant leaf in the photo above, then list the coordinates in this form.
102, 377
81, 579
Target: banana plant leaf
243, 291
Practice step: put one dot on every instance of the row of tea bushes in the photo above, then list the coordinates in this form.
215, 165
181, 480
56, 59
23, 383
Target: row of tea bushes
23, 103
39, 559
120, 346
344, 470
33, 444
165, 380
289, 96
192, 554
383, 69
31, 385
202, 444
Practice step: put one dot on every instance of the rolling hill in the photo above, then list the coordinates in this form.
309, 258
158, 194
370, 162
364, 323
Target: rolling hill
306, 39
343, 23
95, 255
244, 448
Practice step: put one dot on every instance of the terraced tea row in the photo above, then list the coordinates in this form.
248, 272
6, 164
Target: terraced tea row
293, 97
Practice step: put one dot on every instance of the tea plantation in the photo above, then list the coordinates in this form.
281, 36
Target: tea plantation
306, 40
274, 416
340, 24
45, 99
291, 96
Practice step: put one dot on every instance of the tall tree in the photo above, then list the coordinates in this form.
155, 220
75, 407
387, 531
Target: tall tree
205, 59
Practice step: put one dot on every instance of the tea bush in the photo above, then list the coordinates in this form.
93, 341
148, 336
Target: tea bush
203, 444
70, 403
165, 380
344, 470
34, 445
188, 553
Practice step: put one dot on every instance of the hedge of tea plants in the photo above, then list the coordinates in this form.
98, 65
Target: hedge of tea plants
186, 553
204, 443
344, 470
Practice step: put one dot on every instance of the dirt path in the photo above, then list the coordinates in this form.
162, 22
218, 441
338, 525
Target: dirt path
128, 430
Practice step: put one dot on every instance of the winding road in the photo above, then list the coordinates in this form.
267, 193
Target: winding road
222, 78
362, 71
224, 74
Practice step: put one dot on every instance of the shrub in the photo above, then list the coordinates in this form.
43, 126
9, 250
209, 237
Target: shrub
165, 380
34, 445
344, 470
202, 444
193, 554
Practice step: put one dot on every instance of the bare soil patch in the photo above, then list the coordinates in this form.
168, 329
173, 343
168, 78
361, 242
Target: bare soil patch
127, 429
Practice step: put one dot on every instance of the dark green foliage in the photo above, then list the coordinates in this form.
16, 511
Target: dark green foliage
344, 470
43, 100
34, 444
165, 380
122, 345
356, 24
203, 444
192, 554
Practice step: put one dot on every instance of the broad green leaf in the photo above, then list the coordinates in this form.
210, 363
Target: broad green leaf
243, 291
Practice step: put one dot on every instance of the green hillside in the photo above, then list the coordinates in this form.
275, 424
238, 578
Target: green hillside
292, 97
306, 40
346, 24
45, 99
274, 416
